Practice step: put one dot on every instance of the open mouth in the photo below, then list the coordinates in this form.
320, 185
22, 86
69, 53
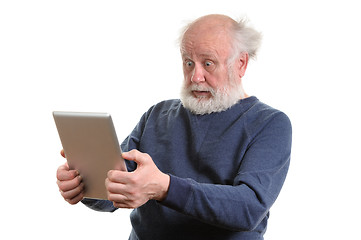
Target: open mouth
201, 94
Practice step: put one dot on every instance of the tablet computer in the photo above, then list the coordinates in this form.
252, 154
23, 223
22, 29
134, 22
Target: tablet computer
91, 146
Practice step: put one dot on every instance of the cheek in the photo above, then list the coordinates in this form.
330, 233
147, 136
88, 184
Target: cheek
217, 81
223, 78
187, 77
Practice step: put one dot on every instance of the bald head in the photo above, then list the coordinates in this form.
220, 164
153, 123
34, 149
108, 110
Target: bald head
214, 23
211, 29
239, 36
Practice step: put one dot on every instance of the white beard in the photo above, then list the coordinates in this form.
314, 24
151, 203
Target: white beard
220, 100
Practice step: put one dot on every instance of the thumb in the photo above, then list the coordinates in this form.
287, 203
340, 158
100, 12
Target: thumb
137, 156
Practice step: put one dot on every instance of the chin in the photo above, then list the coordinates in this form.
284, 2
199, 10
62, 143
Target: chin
220, 101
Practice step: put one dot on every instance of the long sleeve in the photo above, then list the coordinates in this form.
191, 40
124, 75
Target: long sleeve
226, 170
99, 205
244, 204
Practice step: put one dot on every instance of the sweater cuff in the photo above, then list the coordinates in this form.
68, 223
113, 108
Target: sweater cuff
178, 193
99, 205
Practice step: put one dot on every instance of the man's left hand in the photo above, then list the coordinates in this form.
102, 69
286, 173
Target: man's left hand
133, 189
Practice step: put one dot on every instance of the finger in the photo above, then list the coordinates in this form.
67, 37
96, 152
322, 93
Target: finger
119, 176
122, 205
63, 173
69, 184
136, 156
120, 201
132, 154
65, 166
117, 198
62, 153
113, 187
123, 202
73, 192
76, 199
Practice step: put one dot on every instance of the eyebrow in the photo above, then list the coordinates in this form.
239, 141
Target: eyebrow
203, 55
184, 55
208, 55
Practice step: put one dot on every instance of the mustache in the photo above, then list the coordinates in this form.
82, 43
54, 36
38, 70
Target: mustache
196, 87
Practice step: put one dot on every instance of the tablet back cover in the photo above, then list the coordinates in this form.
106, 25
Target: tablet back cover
91, 146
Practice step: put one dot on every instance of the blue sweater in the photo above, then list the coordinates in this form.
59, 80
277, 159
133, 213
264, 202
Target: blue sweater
226, 170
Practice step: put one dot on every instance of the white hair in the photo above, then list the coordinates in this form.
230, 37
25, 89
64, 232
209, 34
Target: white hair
245, 39
221, 100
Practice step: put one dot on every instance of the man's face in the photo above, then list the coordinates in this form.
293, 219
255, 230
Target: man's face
209, 84
205, 62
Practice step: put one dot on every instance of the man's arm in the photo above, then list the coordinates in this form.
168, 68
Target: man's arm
243, 205
239, 207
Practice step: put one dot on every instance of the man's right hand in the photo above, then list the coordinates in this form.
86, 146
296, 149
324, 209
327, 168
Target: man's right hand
69, 183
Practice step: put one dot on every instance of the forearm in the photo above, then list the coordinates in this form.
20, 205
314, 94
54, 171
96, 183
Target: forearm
236, 208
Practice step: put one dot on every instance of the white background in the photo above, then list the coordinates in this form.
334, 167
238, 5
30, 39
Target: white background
121, 58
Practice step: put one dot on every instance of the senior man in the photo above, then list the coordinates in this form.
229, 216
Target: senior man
207, 166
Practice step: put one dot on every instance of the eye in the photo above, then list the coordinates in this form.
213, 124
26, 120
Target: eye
188, 63
208, 63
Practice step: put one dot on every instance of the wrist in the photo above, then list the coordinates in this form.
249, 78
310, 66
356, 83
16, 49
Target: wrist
163, 187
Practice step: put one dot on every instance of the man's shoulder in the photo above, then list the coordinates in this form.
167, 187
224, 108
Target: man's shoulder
170, 103
262, 110
261, 114
164, 107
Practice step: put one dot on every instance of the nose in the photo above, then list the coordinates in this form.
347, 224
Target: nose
198, 75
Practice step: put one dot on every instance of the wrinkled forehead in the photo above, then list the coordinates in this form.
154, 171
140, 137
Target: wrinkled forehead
210, 41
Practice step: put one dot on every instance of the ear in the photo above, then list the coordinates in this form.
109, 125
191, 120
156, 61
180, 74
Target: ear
242, 63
